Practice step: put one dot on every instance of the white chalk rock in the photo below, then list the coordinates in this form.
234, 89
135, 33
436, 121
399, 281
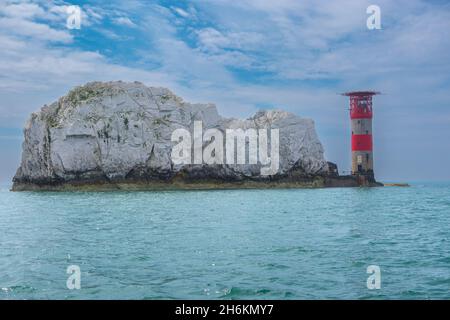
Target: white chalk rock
119, 130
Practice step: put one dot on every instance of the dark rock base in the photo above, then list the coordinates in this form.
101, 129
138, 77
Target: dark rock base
183, 183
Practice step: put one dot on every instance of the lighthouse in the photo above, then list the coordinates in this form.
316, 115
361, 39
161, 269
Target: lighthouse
361, 115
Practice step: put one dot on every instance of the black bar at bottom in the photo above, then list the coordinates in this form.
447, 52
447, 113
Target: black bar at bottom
224, 309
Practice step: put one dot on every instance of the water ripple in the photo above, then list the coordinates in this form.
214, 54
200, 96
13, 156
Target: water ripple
230, 244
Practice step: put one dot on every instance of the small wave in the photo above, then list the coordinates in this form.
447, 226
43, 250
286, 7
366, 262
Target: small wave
299, 249
18, 289
445, 260
274, 266
245, 293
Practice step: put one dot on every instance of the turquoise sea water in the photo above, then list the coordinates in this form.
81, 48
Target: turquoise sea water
235, 244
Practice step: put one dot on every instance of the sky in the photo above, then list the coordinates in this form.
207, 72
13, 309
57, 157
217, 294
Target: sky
245, 56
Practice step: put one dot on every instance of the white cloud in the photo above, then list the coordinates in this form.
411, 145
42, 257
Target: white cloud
18, 19
23, 10
124, 21
37, 31
93, 13
181, 12
213, 40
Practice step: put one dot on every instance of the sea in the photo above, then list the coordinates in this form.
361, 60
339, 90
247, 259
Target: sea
336, 243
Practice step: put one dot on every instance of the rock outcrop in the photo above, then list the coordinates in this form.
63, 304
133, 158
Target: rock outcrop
118, 134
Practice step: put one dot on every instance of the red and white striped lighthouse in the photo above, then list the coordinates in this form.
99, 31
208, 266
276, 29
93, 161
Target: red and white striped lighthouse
361, 115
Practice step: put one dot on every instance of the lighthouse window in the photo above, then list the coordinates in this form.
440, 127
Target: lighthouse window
367, 131
359, 159
367, 157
